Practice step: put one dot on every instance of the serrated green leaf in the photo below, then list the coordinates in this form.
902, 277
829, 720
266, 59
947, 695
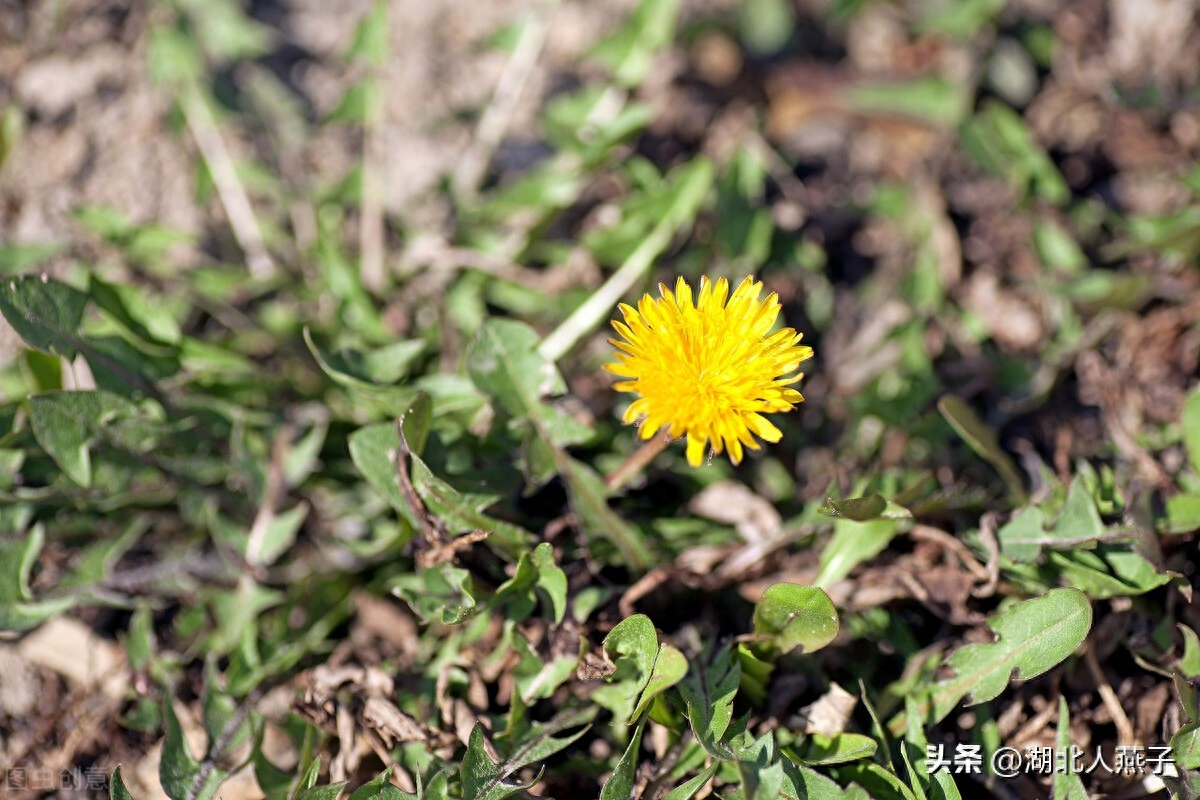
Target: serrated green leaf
632, 645
179, 772
1023, 537
328, 792
381, 788
1032, 637
708, 690
619, 785
482, 777
789, 616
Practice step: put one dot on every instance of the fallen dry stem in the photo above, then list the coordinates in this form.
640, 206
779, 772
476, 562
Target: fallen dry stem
496, 118
233, 195
1125, 734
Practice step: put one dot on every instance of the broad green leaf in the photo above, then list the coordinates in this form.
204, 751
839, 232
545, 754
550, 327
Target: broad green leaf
1056, 248
818, 787
462, 512
789, 616
149, 321
708, 690
630, 52
537, 680
933, 99
1106, 571
619, 785
1032, 637
982, 440
18, 610
1183, 514
1191, 428
1023, 537
45, 371
879, 783
670, 667
45, 313
276, 783
374, 450
67, 424
16, 258
853, 543
535, 570
504, 363
1189, 661
632, 645
223, 722
858, 509
551, 580
280, 534
372, 370
690, 788
116, 786
844, 747
944, 787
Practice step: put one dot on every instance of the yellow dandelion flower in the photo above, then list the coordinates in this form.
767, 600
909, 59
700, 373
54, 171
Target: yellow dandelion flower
708, 369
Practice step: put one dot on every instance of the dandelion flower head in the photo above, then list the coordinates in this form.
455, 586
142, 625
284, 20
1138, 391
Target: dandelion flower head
707, 366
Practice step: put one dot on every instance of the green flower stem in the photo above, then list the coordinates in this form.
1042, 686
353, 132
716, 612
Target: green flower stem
638, 460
